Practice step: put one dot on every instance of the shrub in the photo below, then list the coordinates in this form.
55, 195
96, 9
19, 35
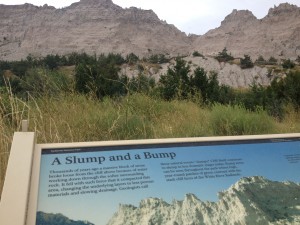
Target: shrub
272, 61
99, 77
288, 88
298, 59
132, 58
175, 84
224, 56
40, 81
52, 61
260, 60
141, 84
158, 59
288, 64
246, 62
197, 54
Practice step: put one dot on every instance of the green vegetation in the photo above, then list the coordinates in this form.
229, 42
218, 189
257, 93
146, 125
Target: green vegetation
260, 61
197, 54
223, 56
57, 219
288, 64
272, 61
246, 62
94, 102
158, 59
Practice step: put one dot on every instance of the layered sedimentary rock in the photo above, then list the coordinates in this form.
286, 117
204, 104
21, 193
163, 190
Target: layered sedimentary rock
100, 26
252, 200
277, 34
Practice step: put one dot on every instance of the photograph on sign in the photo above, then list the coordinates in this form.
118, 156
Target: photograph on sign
192, 183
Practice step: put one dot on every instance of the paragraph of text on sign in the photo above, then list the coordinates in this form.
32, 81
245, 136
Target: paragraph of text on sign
206, 169
98, 179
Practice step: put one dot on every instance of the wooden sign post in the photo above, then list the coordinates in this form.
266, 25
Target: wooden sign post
15, 194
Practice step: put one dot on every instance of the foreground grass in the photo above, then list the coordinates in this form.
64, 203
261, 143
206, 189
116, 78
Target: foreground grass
74, 118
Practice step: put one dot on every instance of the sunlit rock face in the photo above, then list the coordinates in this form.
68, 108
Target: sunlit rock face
252, 200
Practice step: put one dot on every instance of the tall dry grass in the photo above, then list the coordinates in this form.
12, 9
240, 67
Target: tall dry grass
12, 112
73, 117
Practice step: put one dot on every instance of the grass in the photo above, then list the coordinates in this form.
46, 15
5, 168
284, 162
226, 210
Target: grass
236, 120
74, 118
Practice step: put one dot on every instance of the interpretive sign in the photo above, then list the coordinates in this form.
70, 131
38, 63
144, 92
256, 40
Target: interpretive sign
239, 181
217, 180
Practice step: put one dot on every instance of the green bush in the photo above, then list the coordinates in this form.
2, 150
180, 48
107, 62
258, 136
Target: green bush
141, 84
224, 56
260, 61
40, 81
298, 59
99, 77
288, 64
197, 54
158, 59
175, 84
288, 88
131, 58
246, 62
272, 61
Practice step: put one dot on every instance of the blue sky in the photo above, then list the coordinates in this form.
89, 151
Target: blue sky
190, 16
266, 159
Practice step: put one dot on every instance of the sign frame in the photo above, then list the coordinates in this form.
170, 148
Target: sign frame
30, 172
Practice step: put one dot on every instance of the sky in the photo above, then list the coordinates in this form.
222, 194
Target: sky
264, 159
190, 16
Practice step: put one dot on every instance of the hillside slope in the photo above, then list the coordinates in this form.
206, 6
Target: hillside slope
100, 26
252, 200
277, 34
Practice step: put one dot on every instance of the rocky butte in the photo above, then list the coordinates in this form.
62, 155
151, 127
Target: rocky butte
252, 200
91, 26
100, 26
277, 34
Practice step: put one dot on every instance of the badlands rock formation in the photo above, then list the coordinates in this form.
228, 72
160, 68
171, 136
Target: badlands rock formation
228, 74
91, 26
252, 200
277, 34
100, 26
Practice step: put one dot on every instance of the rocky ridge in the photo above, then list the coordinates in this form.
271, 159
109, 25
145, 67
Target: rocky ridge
277, 34
252, 200
91, 26
228, 74
100, 26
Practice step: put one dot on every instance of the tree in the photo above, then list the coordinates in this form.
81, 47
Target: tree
288, 88
224, 56
52, 61
260, 60
140, 84
272, 61
197, 54
246, 62
99, 77
288, 64
132, 58
176, 82
158, 58
199, 82
298, 59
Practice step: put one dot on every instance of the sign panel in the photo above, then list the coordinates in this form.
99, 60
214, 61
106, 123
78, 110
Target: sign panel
252, 181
